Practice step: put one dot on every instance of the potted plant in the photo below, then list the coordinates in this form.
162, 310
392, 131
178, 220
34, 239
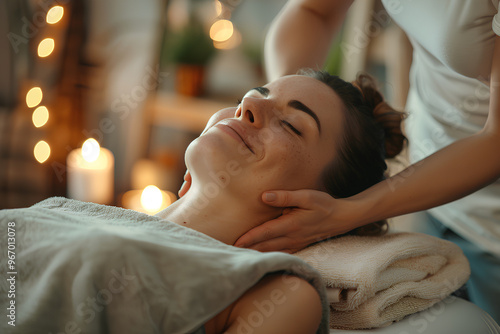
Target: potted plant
190, 49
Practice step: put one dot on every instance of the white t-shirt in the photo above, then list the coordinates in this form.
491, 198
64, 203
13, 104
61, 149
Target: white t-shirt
449, 95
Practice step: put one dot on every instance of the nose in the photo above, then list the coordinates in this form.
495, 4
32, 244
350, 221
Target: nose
254, 111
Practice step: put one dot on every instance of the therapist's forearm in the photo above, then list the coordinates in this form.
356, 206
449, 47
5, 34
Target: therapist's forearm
449, 174
301, 34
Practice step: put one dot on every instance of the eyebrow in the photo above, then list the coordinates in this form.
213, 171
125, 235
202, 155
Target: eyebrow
262, 90
294, 104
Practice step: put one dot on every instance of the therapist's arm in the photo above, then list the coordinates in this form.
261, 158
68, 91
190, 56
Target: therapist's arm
451, 173
301, 34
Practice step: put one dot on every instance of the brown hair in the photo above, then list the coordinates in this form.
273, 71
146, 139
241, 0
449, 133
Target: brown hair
372, 133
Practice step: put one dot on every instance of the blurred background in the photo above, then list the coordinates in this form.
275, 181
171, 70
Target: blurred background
141, 78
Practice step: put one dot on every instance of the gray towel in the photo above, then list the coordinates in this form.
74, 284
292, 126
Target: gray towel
103, 269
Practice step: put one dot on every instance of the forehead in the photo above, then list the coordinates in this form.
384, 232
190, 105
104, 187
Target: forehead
305, 89
318, 96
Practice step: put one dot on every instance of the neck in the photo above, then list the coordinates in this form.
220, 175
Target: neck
224, 217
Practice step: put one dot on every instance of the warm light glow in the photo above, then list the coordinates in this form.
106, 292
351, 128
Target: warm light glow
221, 30
41, 151
40, 116
55, 14
151, 198
231, 43
45, 47
90, 150
218, 7
34, 97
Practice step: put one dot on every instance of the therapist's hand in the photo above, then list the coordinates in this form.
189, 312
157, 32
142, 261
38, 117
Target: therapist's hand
214, 119
309, 216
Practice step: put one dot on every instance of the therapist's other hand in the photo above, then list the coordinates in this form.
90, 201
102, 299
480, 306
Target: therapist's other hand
214, 119
308, 217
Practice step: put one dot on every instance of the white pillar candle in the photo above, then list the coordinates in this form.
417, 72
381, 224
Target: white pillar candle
91, 173
150, 200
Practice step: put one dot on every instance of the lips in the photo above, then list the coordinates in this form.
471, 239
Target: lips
235, 131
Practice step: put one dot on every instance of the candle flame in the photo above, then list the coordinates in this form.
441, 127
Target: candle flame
90, 150
151, 198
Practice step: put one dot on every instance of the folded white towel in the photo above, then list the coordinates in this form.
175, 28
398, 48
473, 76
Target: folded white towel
374, 281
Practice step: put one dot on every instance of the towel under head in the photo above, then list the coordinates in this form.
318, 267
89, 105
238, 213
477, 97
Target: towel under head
374, 281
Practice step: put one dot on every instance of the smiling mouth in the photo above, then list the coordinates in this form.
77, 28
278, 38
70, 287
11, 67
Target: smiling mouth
227, 128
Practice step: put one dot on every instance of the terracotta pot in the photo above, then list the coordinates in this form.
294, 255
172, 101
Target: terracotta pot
190, 79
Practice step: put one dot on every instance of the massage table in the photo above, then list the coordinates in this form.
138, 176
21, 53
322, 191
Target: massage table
452, 315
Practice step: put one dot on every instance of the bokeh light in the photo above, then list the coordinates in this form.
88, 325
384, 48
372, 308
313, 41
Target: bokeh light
40, 116
41, 151
46, 47
231, 43
34, 97
218, 7
221, 30
55, 14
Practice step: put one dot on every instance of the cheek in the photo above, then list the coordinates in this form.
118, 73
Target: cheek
211, 152
288, 165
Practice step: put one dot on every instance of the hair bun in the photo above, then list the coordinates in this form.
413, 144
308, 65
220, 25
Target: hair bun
387, 117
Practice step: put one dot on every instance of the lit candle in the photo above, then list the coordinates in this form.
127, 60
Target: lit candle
91, 173
150, 200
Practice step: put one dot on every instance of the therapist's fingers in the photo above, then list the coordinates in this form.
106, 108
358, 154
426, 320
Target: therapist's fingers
274, 245
279, 228
258, 234
306, 219
186, 184
304, 198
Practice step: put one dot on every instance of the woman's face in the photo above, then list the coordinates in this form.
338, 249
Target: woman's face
281, 136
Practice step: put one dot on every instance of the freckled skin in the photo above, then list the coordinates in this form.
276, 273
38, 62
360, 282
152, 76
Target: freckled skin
281, 159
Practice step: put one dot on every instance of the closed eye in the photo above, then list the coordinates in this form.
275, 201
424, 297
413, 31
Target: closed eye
291, 127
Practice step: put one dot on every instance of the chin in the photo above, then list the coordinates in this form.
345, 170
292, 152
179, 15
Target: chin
212, 159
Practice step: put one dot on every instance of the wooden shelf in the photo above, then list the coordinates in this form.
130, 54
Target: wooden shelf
182, 112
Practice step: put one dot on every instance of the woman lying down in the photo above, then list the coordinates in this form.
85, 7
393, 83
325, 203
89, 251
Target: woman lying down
85, 268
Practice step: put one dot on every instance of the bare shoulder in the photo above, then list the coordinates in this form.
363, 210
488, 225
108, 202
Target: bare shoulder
269, 305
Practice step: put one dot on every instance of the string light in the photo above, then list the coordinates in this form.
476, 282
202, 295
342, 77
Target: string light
41, 151
46, 47
34, 97
40, 116
55, 14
